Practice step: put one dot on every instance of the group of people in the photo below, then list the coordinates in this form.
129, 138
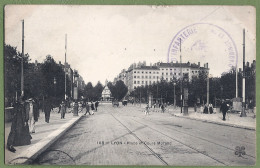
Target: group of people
208, 109
24, 117
93, 107
162, 106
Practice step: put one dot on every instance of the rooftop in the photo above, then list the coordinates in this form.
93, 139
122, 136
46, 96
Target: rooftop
148, 67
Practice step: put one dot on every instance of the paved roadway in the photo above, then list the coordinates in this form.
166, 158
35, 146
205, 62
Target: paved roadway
125, 136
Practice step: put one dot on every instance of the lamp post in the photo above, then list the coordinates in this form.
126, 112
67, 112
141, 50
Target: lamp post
54, 82
22, 77
174, 97
243, 113
221, 89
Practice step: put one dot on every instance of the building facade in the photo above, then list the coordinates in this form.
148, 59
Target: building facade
141, 75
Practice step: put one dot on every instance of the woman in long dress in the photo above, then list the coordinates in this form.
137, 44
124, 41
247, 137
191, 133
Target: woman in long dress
19, 134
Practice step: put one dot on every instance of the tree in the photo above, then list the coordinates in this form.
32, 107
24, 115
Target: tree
88, 91
119, 90
50, 70
98, 90
12, 63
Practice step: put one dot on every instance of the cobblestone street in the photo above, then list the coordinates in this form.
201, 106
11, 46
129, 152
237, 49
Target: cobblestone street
126, 136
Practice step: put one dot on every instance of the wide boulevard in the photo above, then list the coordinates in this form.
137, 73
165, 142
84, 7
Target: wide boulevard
126, 136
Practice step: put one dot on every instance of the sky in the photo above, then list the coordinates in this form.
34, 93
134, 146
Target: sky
103, 40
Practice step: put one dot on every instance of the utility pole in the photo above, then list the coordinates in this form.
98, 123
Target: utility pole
207, 89
174, 101
65, 66
22, 77
140, 98
181, 75
236, 83
243, 113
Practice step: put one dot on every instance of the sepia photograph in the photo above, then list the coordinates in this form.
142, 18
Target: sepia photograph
142, 85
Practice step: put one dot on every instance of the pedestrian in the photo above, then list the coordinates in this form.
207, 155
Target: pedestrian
96, 105
162, 107
19, 134
224, 109
195, 107
87, 109
206, 110
47, 109
201, 108
62, 109
210, 108
92, 108
33, 112
147, 109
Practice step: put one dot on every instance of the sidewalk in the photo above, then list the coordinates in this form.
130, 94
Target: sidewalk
232, 119
46, 134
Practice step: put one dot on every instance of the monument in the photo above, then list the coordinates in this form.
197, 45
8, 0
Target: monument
106, 93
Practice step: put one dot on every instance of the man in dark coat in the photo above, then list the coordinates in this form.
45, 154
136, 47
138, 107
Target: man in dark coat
206, 109
92, 107
63, 109
87, 109
19, 134
96, 105
47, 110
224, 109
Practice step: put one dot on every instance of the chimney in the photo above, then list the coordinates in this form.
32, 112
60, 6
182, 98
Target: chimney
199, 64
207, 64
36, 62
247, 64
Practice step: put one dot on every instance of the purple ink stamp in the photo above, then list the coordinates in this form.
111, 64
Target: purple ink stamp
205, 42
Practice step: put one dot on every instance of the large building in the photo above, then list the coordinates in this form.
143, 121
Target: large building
141, 75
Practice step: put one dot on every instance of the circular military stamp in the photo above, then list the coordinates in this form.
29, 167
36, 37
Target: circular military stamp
205, 43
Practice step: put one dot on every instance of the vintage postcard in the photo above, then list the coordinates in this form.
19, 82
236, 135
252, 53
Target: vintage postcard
130, 85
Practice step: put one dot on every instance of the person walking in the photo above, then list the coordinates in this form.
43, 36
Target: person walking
195, 107
206, 109
19, 134
224, 109
147, 109
96, 105
87, 109
47, 110
162, 107
92, 108
210, 108
62, 109
33, 111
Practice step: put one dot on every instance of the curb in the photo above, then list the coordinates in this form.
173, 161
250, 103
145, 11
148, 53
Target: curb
218, 123
35, 150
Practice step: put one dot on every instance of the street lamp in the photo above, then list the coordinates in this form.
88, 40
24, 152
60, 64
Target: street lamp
221, 89
54, 81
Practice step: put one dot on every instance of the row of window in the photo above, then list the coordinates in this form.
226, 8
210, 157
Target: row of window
144, 82
158, 72
150, 82
147, 72
146, 77
154, 77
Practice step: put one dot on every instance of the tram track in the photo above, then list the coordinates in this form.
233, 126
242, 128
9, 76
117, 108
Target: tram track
145, 145
233, 150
